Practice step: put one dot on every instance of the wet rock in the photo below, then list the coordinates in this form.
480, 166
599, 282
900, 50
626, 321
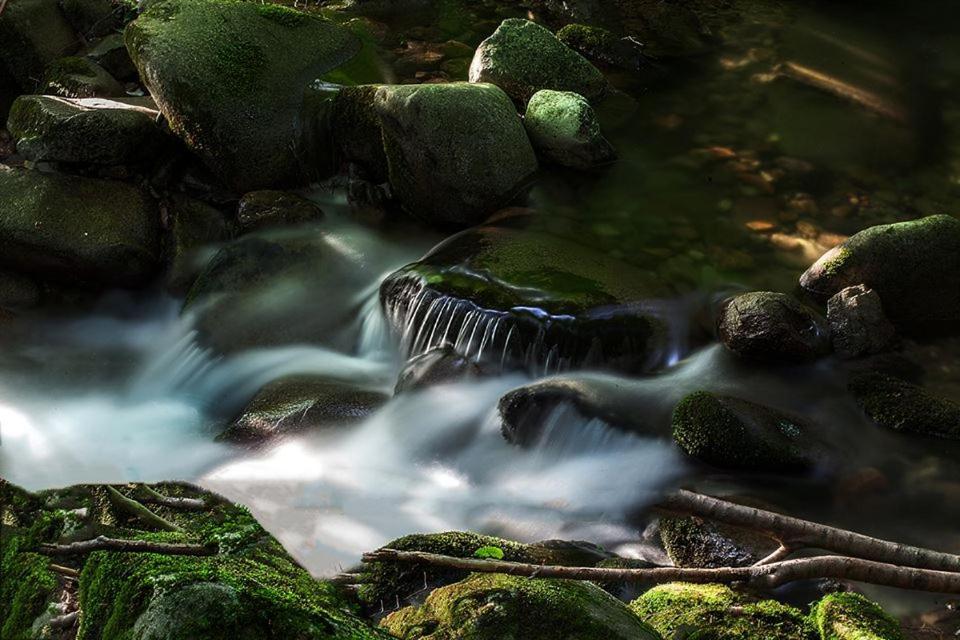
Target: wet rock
850, 616
521, 57
111, 54
81, 78
494, 606
692, 542
901, 406
456, 152
442, 365
519, 297
196, 231
301, 403
97, 18
732, 433
265, 209
238, 100
913, 266
33, 34
357, 132
89, 130
564, 130
772, 327
77, 230
858, 325
680, 610
18, 292
602, 46
199, 610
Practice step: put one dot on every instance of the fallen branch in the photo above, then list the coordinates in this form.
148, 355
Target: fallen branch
103, 543
795, 533
64, 571
133, 508
186, 504
767, 576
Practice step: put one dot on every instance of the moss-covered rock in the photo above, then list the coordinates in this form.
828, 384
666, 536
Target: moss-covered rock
456, 152
300, 403
692, 542
265, 209
27, 587
772, 327
899, 405
229, 91
33, 34
495, 606
90, 131
77, 230
850, 616
564, 130
732, 433
97, 18
602, 46
77, 77
522, 57
716, 612
913, 266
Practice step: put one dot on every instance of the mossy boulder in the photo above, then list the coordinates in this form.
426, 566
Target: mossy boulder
732, 433
913, 266
495, 606
772, 327
851, 616
716, 612
692, 542
77, 77
89, 131
77, 230
300, 403
602, 46
899, 405
564, 130
530, 298
265, 209
231, 79
456, 152
522, 57
385, 583
33, 34
97, 18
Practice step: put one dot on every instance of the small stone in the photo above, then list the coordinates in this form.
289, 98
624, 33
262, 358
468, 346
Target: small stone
858, 325
564, 129
772, 327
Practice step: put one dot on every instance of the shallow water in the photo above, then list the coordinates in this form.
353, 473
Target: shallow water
733, 176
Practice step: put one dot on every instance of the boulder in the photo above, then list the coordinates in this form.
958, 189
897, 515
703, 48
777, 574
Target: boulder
521, 57
33, 34
773, 328
681, 610
98, 18
442, 365
456, 152
265, 209
497, 606
850, 616
111, 54
238, 100
899, 405
913, 266
77, 230
602, 46
196, 231
858, 325
81, 78
88, 130
732, 433
301, 403
692, 542
564, 130
357, 133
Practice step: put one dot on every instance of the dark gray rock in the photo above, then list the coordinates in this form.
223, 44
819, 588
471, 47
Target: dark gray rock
899, 405
77, 77
265, 209
442, 365
772, 327
858, 325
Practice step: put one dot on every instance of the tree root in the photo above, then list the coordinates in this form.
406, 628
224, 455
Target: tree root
103, 543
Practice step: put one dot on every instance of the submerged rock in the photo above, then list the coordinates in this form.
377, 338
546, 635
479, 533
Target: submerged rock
81, 78
301, 403
901, 406
265, 209
564, 129
521, 57
602, 46
913, 266
497, 606
90, 131
77, 230
772, 327
238, 99
680, 610
33, 33
732, 433
456, 152
442, 365
850, 616
514, 296
858, 325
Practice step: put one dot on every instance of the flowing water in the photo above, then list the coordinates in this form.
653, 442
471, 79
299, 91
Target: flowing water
734, 175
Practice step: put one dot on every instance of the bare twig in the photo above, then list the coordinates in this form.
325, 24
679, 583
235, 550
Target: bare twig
780, 553
764, 577
64, 571
186, 504
103, 543
137, 510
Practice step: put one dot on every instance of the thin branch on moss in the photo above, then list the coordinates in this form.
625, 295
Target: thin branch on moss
103, 543
64, 571
186, 504
133, 508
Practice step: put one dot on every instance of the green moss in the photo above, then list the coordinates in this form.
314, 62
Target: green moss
834, 265
27, 587
282, 15
851, 616
582, 36
901, 406
716, 612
